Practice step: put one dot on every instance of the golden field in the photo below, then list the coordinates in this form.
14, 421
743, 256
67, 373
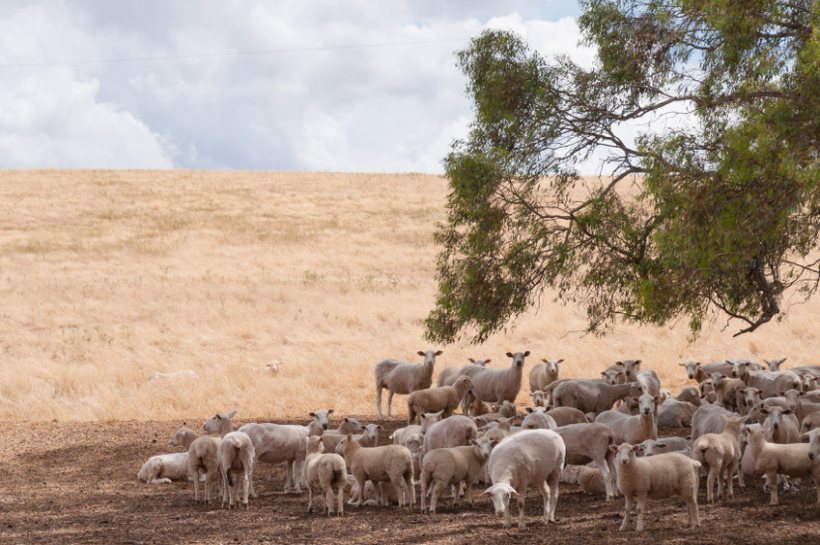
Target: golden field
109, 276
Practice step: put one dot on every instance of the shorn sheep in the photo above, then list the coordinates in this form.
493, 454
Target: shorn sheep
325, 472
389, 463
721, 452
448, 375
660, 476
403, 378
236, 462
544, 373
498, 385
528, 459
453, 466
430, 400
166, 468
793, 460
203, 456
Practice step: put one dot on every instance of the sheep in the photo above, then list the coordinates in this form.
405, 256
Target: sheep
810, 422
505, 410
445, 398
478, 407
803, 408
537, 418
531, 458
809, 382
803, 370
182, 374
453, 466
453, 431
721, 452
274, 365
648, 378
392, 463
538, 398
385, 494
660, 476
166, 468
498, 385
183, 438
791, 459
675, 414
349, 425
780, 426
633, 429
544, 373
751, 397
707, 391
613, 375
700, 372
278, 443
428, 419
403, 378
708, 419
564, 416
592, 396
690, 394
448, 375
660, 445
236, 457
770, 384
219, 424
727, 390
203, 455
325, 471
590, 443
368, 438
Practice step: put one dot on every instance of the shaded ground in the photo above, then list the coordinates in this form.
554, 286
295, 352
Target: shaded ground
75, 483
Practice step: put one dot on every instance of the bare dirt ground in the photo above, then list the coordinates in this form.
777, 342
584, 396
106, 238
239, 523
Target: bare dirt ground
75, 483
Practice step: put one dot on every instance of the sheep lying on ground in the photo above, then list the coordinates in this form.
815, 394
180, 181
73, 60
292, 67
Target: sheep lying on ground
183, 438
690, 394
660, 476
530, 458
793, 460
673, 413
721, 452
564, 416
166, 468
403, 378
660, 445
430, 400
203, 456
392, 463
237, 458
585, 443
325, 472
182, 374
453, 466
538, 419
588, 477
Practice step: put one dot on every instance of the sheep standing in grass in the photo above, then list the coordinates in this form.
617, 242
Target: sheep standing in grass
530, 458
403, 378
721, 452
390, 463
544, 373
453, 466
498, 385
660, 476
236, 462
793, 460
429, 400
326, 472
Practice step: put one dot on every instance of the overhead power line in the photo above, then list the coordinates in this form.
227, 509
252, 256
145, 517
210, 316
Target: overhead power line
224, 54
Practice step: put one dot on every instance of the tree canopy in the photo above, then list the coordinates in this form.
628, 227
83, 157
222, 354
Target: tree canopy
713, 210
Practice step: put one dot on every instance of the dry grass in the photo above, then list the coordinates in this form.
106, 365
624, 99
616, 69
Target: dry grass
109, 276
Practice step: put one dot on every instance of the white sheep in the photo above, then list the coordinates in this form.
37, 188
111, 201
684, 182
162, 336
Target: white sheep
792, 459
647, 378
538, 419
368, 438
592, 396
708, 419
498, 385
448, 375
203, 456
564, 416
455, 467
651, 447
781, 425
530, 458
454, 431
585, 443
660, 476
633, 428
219, 424
700, 372
182, 374
539, 399
544, 373
392, 463
403, 378
770, 384
444, 398
237, 458
721, 453
166, 468
274, 365
673, 413
325, 472
183, 437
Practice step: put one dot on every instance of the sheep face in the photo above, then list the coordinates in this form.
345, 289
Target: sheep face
625, 453
774, 415
518, 358
814, 444
751, 396
500, 494
371, 431
216, 423
691, 368
480, 363
739, 368
613, 376
320, 417
354, 425
428, 419
774, 365
646, 404
538, 398
485, 445
631, 368
429, 357
552, 365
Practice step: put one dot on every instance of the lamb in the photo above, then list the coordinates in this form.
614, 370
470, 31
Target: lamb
770, 384
325, 471
531, 458
588, 477
166, 468
236, 462
182, 374
727, 390
585, 443
219, 424
392, 463
274, 365
544, 373
721, 452
403, 378
203, 455
661, 445
792, 459
349, 425
708, 419
498, 385
385, 494
453, 466
636, 428
505, 410
538, 419
448, 375
183, 438
453, 431
700, 372
675, 414
564, 416
478, 408
648, 378
368, 438
660, 476
429, 400
428, 419
590, 396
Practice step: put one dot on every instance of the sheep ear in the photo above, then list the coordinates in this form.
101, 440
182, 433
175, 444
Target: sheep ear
345, 419
637, 449
312, 414
529, 409
380, 427
488, 492
330, 411
603, 374
619, 363
613, 448
438, 353
804, 436
637, 362
513, 492
527, 353
420, 353
231, 414
545, 360
487, 361
559, 361
660, 445
682, 364
509, 354
471, 360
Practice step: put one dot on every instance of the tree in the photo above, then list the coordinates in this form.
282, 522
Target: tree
719, 213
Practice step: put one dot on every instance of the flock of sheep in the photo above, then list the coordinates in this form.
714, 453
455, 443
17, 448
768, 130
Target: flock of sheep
746, 420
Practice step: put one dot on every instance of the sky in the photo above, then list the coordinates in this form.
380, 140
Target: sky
353, 85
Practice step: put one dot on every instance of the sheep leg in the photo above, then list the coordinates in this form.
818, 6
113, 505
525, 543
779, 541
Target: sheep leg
553, 481
627, 511
710, 483
379, 401
362, 481
641, 513
607, 477
401, 490
196, 488
545, 495
434, 500
424, 487
521, 499
288, 474
389, 403
411, 486
340, 508
329, 497
772, 476
730, 471
245, 480
692, 506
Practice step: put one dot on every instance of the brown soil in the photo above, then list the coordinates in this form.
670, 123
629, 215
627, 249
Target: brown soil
75, 483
